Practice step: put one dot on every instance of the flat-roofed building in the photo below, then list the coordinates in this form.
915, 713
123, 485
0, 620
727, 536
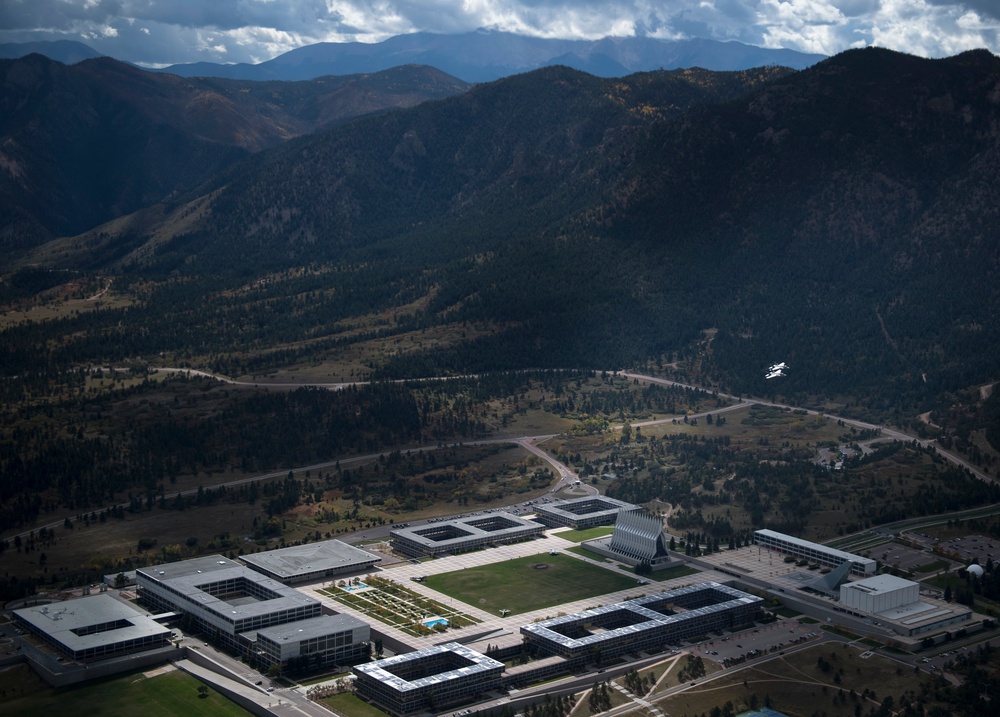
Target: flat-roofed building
579, 513
879, 593
646, 623
311, 562
464, 534
321, 641
93, 628
815, 552
427, 680
223, 597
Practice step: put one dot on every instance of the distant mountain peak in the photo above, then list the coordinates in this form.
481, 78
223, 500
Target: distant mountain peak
487, 54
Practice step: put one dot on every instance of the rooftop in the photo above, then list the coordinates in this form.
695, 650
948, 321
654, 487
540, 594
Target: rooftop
879, 584
225, 587
301, 560
458, 661
91, 622
311, 628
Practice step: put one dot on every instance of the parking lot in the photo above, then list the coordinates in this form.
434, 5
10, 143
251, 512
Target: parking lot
971, 548
758, 641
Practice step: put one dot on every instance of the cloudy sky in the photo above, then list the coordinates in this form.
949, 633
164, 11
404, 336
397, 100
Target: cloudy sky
160, 32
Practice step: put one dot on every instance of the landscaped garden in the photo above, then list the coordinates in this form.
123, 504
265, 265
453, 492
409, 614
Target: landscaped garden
395, 605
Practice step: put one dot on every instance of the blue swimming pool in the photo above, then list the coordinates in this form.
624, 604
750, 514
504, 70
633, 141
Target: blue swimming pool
436, 621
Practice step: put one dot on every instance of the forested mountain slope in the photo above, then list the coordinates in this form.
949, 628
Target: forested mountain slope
841, 218
85, 143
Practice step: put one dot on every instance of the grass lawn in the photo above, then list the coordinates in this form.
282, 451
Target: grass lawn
678, 571
522, 585
171, 694
931, 567
578, 536
796, 685
346, 703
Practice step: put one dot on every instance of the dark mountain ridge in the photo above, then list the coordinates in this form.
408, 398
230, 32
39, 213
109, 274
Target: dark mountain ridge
842, 218
85, 143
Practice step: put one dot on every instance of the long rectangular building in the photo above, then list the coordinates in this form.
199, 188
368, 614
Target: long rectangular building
464, 534
646, 623
311, 562
813, 551
579, 513
428, 679
93, 628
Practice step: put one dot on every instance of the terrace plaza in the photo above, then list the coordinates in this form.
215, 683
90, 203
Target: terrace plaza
579, 513
310, 562
464, 534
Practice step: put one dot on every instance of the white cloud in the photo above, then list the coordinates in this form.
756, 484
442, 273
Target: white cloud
164, 31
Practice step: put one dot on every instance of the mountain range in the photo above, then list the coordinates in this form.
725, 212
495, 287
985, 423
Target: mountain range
88, 142
480, 56
843, 218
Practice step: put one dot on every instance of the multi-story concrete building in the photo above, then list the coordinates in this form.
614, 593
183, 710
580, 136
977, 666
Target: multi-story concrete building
582, 513
464, 534
427, 680
799, 548
93, 628
311, 562
322, 641
223, 598
645, 623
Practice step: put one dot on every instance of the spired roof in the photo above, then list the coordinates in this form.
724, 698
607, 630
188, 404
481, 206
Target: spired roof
638, 535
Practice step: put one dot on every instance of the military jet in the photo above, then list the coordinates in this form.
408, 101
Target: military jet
779, 366
777, 373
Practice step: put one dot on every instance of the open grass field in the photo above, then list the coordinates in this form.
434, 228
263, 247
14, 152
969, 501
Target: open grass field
523, 584
346, 703
168, 694
797, 685
578, 536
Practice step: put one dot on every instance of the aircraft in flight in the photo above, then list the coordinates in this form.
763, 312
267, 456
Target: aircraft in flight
776, 373
779, 366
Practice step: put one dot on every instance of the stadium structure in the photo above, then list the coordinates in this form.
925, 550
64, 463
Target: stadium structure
464, 534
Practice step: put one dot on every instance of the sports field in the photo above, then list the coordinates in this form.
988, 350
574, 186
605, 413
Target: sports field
529, 583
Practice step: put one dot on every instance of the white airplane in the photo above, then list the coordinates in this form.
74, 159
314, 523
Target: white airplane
779, 366
777, 373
